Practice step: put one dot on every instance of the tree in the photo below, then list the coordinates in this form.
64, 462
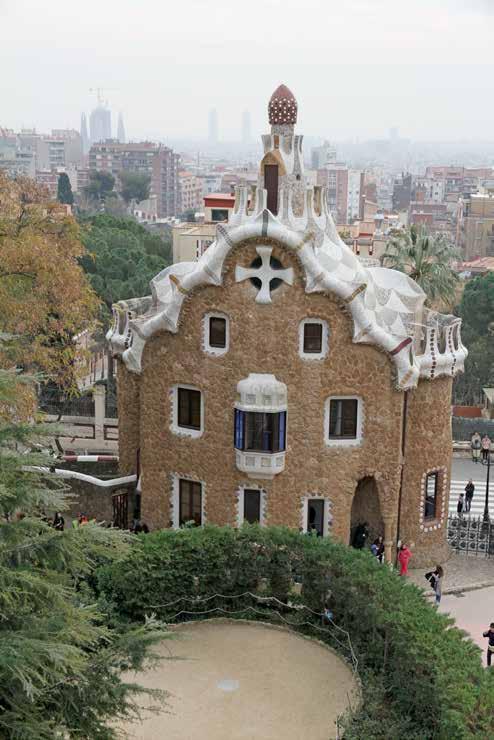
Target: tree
45, 298
122, 257
134, 186
64, 190
61, 654
477, 313
100, 186
427, 259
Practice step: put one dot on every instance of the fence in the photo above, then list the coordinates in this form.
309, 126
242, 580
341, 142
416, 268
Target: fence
81, 406
471, 536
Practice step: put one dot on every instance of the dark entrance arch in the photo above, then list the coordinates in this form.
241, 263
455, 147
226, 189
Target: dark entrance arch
366, 509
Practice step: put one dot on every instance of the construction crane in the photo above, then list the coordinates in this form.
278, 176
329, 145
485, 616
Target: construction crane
99, 91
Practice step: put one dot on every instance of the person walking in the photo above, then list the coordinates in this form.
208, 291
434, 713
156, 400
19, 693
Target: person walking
437, 583
469, 491
490, 647
404, 556
377, 549
459, 505
59, 522
475, 446
486, 447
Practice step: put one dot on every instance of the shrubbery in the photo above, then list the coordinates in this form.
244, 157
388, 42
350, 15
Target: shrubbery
422, 677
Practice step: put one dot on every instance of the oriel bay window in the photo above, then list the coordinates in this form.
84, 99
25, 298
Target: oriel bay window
260, 431
260, 425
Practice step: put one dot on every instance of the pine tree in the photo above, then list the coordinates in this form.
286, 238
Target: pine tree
64, 190
61, 656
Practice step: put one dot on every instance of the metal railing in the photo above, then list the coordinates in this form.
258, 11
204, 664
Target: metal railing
471, 535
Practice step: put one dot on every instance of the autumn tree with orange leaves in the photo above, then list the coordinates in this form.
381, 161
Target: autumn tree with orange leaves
45, 298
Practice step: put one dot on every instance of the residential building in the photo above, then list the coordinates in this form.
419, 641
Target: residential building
402, 192
475, 225
165, 182
190, 191
112, 156
323, 156
268, 381
218, 207
190, 241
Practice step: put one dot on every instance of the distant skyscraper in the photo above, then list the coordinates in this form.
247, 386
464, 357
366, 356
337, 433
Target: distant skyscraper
121, 129
84, 136
213, 126
100, 123
246, 129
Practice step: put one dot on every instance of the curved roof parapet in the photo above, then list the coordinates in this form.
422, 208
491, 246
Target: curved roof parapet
386, 306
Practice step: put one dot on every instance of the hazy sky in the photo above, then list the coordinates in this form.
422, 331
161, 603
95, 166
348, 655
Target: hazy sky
357, 67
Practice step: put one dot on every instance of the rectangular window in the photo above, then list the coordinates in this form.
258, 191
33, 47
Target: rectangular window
343, 418
217, 332
264, 432
189, 408
315, 516
312, 338
252, 505
190, 503
431, 486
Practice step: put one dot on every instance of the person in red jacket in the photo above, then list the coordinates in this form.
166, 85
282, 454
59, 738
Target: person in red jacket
404, 556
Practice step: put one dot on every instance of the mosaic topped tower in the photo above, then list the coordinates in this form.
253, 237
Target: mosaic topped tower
278, 379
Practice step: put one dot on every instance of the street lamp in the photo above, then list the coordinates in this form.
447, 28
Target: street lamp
487, 461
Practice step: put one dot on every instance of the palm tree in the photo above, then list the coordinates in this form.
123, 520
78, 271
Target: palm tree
425, 258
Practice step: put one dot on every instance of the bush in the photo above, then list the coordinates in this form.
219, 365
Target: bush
422, 677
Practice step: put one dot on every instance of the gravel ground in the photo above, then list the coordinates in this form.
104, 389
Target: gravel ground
240, 681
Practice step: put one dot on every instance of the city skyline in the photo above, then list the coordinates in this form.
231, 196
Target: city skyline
381, 72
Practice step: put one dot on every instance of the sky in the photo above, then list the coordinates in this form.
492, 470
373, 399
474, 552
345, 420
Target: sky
356, 67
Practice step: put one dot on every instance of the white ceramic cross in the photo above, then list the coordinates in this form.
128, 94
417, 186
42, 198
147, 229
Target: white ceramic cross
264, 273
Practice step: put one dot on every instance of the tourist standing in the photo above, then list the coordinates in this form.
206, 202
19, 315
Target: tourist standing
404, 556
475, 446
486, 446
360, 536
377, 548
59, 522
459, 505
490, 647
469, 491
437, 583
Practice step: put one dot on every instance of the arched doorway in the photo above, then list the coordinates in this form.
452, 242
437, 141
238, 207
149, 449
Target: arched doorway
366, 509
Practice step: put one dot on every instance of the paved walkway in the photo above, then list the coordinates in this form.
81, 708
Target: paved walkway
461, 573
238, 681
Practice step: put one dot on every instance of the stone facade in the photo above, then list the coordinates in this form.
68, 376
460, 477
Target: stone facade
379, 342
265, 339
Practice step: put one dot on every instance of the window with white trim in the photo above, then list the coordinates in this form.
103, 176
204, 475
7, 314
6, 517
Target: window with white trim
343, 420
189, 502
313, 339
216, 333
188, 411
431, 495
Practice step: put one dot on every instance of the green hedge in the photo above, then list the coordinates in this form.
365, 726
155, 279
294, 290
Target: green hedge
422, 677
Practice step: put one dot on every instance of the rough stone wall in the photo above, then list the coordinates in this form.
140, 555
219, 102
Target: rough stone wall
428, 448
128, 386
265, 339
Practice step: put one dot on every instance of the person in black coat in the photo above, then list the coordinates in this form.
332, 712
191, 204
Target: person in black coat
469, 491
490, 647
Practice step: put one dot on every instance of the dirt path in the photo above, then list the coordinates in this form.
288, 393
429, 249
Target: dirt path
238, 681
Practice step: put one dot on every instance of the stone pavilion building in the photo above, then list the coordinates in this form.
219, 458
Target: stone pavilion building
281, 380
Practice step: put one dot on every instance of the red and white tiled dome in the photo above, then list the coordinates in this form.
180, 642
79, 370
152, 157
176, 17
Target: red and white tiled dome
282, 106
